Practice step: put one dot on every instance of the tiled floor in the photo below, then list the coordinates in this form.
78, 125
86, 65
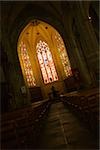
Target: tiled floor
62, 130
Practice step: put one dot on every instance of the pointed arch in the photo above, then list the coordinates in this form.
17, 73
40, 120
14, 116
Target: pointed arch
26, 64
46, 62
63, 53
40, 41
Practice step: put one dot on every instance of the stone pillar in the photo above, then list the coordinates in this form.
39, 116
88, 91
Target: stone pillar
78, 56
88, 40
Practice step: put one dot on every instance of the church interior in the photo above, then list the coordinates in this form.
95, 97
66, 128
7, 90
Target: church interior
49, 72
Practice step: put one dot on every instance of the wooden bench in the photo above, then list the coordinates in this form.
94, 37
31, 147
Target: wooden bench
86, 104
22, 127
8, 134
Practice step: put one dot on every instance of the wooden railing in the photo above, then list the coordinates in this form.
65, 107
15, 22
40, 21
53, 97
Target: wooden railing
21, 128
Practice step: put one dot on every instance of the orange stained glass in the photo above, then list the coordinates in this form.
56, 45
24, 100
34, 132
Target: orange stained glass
46, 62
27, 65
63, 54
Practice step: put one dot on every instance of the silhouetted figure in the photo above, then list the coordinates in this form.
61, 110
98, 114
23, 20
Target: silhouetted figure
54, 92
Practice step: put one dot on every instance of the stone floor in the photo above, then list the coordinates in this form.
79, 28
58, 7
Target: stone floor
63, 130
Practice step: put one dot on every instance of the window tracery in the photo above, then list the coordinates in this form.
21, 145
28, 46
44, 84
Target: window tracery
27, 65
46, 62
63, 54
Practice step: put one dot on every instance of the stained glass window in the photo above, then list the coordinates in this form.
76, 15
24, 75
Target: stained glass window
63, 54
27, 65
46, 62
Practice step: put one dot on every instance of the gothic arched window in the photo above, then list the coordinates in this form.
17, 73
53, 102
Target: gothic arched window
27, 65
46, 62
63, 54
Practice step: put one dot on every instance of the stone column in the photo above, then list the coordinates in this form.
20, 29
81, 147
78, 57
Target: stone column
78, 56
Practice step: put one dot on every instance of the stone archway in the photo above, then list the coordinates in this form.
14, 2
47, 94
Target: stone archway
36, 31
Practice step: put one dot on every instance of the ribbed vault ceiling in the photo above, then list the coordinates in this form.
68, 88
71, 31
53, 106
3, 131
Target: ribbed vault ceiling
36, 30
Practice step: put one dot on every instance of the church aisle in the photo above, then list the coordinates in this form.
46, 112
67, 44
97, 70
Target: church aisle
62, 130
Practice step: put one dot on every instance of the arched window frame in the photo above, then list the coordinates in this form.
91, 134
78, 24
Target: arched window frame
46, 62
26, 64
62, 53
31, 46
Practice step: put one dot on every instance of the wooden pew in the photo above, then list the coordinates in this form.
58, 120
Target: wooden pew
93, 104
22, 127
8, 135
86, 104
